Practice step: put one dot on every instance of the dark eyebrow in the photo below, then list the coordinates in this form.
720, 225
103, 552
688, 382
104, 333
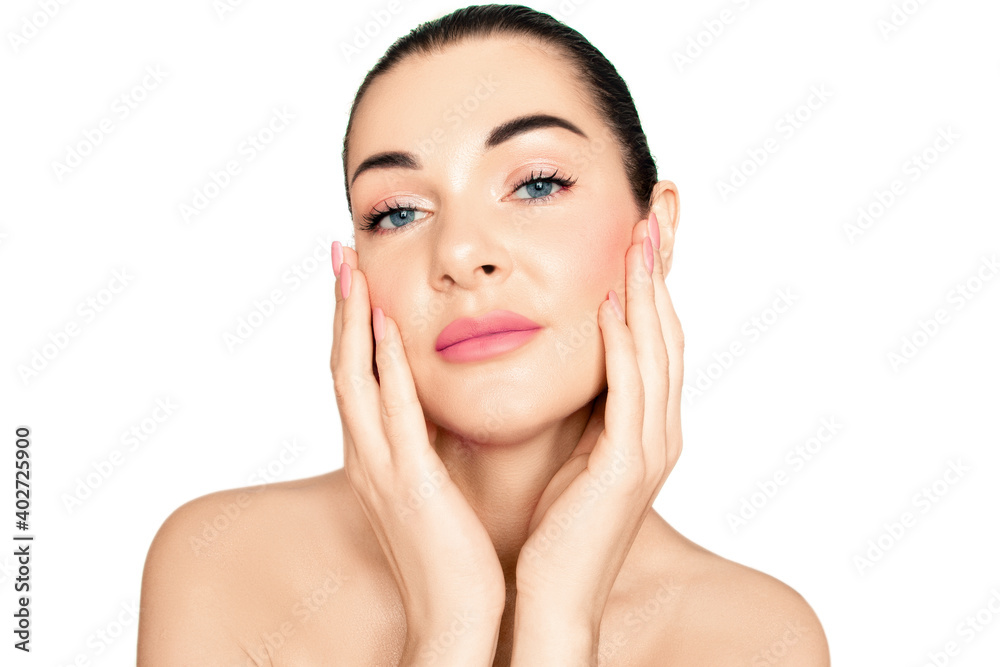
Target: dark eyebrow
512, 128
497, 136
390, 159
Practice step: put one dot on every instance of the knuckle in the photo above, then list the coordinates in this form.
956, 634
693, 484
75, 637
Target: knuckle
629, 469
388, 352
635, 481
657, 470
340, 386
363, 476
348, 384
394, 408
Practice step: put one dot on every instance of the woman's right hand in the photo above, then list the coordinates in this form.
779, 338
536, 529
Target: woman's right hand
441, 556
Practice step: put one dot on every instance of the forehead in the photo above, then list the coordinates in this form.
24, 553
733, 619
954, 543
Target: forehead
430, 102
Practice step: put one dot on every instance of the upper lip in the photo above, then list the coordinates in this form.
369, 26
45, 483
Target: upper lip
495, 321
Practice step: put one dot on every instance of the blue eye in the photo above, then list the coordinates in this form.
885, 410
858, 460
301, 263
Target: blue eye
397, 217
401, 216
537, 188
540, 187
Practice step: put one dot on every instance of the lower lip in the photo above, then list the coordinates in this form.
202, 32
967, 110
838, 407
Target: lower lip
484, 347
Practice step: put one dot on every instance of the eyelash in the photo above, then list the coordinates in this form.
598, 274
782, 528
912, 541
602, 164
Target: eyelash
373, 218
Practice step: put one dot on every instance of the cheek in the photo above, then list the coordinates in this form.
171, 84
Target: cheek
393, 292
588, 265
384, 290
386, 284
602, 252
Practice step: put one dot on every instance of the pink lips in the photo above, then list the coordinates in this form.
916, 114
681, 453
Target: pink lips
471, 339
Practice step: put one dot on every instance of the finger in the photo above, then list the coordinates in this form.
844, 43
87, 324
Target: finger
338, 255
673, 336
357, 388
623, 416
402, 415
351, 259
336, 259
651, 351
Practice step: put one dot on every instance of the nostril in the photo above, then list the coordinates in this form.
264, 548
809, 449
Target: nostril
488, 268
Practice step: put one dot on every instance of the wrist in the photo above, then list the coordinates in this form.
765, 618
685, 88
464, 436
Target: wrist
465, 639
551, 610
553, 638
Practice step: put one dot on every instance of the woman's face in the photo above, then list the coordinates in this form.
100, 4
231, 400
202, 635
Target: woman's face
477, 234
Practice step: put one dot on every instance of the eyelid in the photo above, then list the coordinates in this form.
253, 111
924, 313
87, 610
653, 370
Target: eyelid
545, 171
536, 172
386, 206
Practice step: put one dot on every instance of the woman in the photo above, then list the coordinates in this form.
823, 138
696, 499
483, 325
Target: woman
508, 368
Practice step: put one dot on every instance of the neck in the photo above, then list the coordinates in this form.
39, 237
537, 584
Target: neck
503, 479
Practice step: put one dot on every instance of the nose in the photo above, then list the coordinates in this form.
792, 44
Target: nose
470, 249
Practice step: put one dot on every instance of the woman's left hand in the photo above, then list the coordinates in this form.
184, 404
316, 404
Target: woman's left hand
590, 513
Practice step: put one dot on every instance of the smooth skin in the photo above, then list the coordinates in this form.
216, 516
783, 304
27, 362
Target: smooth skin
493, 513
624, 456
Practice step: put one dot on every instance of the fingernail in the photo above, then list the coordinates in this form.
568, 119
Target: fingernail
617, 305
337, 253
378, 324
654, 229
647, 250
345, 279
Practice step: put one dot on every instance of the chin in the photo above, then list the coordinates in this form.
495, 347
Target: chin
489, 417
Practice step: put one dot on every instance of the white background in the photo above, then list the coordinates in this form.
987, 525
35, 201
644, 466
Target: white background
785, 228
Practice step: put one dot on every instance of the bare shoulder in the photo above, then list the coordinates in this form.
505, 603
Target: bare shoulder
722, 612
228, 571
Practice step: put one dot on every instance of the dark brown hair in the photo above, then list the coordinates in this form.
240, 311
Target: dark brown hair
608, 89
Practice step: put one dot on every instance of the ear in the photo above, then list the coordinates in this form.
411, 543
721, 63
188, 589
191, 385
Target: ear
665, 203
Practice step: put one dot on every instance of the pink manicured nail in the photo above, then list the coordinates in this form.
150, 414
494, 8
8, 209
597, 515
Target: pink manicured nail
617, 305
345, 279
337, 253
654, 229
647, 250
378, 324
